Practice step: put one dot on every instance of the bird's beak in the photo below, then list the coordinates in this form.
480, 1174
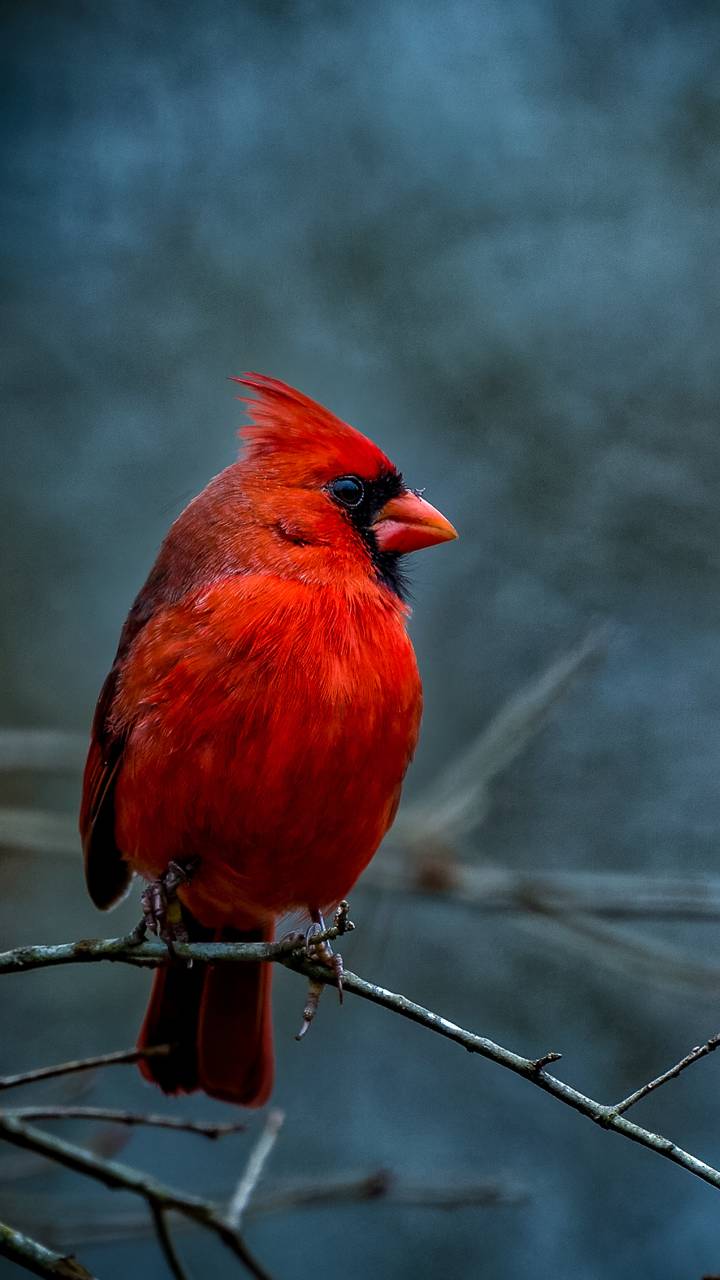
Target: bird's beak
408, 523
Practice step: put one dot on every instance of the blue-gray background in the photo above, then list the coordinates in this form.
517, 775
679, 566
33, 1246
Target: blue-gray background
489, 236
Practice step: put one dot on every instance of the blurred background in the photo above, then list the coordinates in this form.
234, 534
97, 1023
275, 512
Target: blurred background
488, 236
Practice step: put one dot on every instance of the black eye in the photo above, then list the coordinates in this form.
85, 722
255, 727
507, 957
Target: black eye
348, 490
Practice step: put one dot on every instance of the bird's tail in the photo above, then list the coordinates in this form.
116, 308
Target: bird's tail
217, 1019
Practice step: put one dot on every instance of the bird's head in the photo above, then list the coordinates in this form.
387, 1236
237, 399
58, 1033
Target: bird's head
321, 483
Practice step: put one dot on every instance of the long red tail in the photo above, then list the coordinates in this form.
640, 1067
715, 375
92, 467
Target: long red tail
218, 1019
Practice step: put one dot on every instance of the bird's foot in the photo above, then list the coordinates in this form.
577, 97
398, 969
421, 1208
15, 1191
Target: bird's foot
320, 949
162, 912
317, 947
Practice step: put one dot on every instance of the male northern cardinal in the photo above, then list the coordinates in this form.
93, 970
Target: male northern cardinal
259, 718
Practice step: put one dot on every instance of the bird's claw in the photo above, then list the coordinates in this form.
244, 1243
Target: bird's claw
322, 952
312, 1001
162, 912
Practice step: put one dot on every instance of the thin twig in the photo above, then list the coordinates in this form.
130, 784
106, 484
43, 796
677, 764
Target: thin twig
118, 949
33, 1256
254, 1167
498, 890
601, 1114
120, 1176
83, 1064
700, 1051
165, 1240
381, 1185
655, 961
384, 1185
110, 1115
431, 866
457, 801
624, 951
571, 903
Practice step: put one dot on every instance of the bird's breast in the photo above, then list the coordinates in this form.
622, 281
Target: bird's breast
271, 733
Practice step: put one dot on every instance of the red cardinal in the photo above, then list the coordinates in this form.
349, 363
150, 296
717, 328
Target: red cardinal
260, 715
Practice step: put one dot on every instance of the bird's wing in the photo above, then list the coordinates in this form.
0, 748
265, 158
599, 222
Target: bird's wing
106, 873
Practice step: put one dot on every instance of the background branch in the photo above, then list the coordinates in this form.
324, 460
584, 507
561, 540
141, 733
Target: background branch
33, 1256
255, 1166
379, 1185
82, 1064
110, 1115
166, 1243
119, 1176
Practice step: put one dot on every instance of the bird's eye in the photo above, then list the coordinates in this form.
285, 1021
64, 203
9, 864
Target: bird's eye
348, 490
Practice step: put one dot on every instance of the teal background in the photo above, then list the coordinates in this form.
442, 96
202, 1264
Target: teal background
488, 236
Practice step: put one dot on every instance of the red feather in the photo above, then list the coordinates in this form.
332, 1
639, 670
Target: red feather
218, 1020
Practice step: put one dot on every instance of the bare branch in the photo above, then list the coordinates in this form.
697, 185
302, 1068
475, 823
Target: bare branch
82, 1064
32, 1256
153, 953
624, 951
380, 1185
617, 947
572, 902
119, 1176
494, 889
430, 865
150, 953
458, 800
254, 1168
385, 1185
206, 1128
165, 1240
606, 1116
700, 1051
126, 950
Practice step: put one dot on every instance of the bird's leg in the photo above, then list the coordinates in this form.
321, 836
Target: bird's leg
162, 913
323, 952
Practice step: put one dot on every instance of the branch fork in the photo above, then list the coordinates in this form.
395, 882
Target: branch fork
224, 1223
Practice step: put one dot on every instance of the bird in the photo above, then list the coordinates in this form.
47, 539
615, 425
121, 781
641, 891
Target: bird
256, 725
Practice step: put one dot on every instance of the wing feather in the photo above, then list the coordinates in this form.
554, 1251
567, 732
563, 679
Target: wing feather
107, 875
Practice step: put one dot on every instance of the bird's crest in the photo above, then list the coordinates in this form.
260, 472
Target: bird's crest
289, 433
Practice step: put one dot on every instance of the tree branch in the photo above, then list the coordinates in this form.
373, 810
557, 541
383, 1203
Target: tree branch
152, 952
119, 1176
379, 1185
149, 953
254, 1168
532, 1070
31, 1255
497, 890
166, 1243
83, 1064
110, 1115
700, 1051
383, 1184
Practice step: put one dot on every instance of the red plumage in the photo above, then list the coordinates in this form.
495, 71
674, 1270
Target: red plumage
261, 713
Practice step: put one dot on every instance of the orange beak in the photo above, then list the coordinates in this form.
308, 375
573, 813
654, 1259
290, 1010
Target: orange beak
408, 523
